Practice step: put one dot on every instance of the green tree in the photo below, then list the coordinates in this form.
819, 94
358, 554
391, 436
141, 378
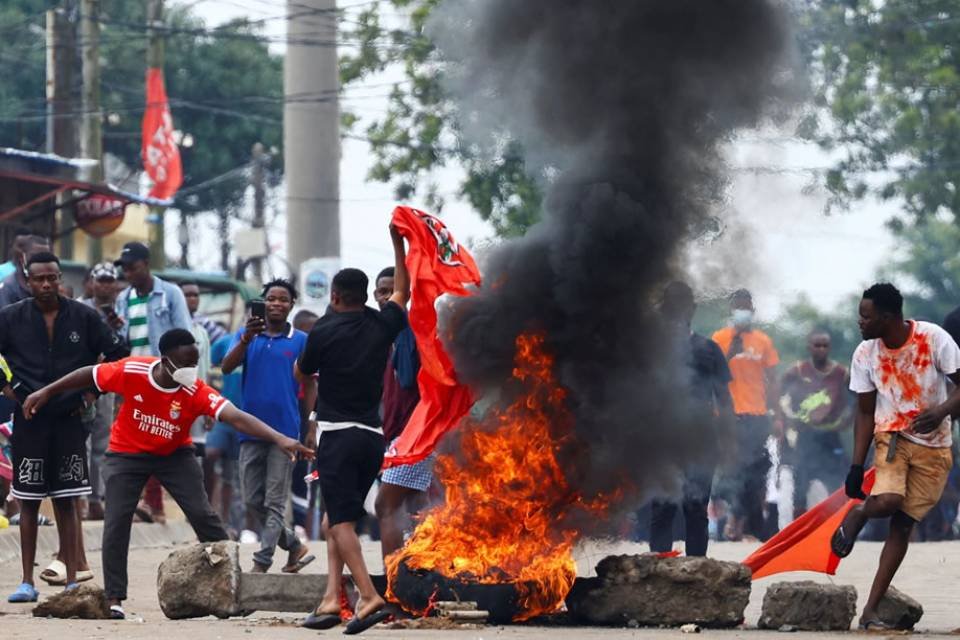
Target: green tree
926, 266
226, 90
421, 130
23, 58
886, 83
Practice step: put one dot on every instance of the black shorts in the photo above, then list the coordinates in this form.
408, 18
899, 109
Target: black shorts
49, 457
348, 461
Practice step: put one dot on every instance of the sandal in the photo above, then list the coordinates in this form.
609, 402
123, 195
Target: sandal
302, 560
116, 612
42, 520
143, 512
24, 593
875, 624
55, 574
359, 625
840, 544
321, 621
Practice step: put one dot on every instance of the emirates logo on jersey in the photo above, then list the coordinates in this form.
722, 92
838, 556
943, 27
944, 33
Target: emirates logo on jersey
157, 426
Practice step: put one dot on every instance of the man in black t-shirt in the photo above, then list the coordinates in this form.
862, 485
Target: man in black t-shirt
347, 350
706, 374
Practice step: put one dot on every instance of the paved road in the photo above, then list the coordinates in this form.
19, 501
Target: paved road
930, 574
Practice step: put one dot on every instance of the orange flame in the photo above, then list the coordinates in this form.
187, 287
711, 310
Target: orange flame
506, 497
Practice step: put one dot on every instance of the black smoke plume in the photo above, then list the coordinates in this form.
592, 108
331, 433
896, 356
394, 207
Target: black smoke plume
625, 106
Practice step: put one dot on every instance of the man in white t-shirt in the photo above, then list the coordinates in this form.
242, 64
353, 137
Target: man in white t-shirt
900, 374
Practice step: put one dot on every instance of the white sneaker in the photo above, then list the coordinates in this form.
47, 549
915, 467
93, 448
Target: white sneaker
248, 537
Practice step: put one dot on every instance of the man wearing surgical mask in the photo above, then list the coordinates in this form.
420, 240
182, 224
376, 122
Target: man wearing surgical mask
149, 307
752, 357
150, 437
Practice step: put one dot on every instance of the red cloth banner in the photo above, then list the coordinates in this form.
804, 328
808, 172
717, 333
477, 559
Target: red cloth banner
161, 157
438, 265
804, 544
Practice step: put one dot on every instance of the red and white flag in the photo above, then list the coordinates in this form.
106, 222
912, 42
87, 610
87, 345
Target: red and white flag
161, 157
438, 265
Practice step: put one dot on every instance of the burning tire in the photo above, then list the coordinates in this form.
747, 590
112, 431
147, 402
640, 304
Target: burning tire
418, 589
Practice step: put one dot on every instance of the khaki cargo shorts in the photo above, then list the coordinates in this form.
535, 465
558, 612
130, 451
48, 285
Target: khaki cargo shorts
917, 473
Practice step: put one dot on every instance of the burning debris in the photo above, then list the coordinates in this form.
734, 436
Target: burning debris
625, 105
496, 538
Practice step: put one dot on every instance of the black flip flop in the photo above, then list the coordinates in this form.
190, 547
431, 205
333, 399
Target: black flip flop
359, 625
840, 544
321, 621
116, 612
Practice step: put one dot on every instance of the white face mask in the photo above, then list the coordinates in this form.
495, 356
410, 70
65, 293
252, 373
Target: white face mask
185, 376
742, 317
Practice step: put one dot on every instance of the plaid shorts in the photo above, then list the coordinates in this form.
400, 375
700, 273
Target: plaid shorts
415, 476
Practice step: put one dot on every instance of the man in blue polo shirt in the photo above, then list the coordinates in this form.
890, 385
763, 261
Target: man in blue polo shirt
267, 349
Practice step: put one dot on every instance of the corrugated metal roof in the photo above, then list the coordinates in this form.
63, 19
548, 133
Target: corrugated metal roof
50, 168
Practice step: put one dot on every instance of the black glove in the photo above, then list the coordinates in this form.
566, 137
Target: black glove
854, 484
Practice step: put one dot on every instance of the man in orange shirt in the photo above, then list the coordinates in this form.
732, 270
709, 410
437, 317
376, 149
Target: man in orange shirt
751, 356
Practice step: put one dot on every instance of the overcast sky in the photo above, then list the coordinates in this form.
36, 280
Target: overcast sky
777, 242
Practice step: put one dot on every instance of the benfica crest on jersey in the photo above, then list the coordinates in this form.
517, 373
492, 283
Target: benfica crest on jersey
438, 266
175, 410
448, 251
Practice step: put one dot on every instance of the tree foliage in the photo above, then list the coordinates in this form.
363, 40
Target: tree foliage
926, 265
886, 79
226, 89
421, 130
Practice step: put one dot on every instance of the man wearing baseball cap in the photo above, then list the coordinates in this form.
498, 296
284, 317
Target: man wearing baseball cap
148, 307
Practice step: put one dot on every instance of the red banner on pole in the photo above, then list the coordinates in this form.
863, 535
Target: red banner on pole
161, 158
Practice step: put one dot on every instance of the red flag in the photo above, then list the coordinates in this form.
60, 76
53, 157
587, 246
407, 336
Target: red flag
161, 158
437, 265
804, 544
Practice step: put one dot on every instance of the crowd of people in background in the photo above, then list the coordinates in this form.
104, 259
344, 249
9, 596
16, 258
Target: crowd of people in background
153, 401
795, 436
127, 395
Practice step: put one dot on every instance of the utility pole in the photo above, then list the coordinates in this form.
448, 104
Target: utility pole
183, 234
91, 140
258, 179
61, 133
311, 132
155, 25
223, 213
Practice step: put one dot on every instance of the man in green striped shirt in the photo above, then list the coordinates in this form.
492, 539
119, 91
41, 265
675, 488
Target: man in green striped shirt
149, 307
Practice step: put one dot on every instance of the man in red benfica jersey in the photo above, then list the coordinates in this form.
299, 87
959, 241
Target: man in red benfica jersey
151, 437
